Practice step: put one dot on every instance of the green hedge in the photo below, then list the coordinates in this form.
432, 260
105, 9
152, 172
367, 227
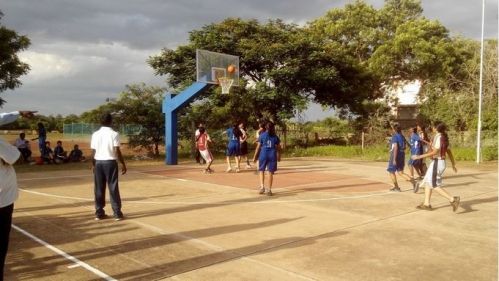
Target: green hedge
380, 153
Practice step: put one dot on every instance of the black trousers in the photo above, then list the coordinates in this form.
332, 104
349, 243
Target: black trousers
106, 172
5, 226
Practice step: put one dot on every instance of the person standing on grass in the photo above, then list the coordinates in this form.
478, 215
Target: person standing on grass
268, 154
42, 138
433, 179
397, 158
202, 145
415, 146
8, 184
105, 145
233, 146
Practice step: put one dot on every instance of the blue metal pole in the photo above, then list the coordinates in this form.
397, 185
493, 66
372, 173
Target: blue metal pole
171, 105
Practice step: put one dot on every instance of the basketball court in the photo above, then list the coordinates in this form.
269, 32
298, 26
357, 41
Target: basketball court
328, 220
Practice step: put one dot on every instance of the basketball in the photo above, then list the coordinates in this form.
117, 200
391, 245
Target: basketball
231, 68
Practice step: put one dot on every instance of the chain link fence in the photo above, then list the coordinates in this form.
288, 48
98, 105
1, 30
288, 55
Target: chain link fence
85, 129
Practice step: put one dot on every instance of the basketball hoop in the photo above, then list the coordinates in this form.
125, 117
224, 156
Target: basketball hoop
225, 83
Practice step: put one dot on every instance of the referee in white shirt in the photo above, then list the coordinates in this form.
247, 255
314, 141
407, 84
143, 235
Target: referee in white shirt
105, 145
8, 184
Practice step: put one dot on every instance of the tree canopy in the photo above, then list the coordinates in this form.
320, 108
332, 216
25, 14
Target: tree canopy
11, 67
454, 99
344, 59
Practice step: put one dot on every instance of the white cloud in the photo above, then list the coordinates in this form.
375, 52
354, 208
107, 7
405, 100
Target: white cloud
45, 66
71, 77
83, 52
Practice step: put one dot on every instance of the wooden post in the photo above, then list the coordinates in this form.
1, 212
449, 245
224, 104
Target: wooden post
362, 141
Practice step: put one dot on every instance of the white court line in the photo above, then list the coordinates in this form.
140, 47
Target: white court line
217, 203
65, 255
55, 196
91, 175
216, 248
50, 178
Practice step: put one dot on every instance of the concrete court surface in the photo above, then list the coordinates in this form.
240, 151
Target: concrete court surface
328, 220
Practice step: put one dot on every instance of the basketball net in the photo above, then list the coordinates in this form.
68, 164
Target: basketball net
225, 83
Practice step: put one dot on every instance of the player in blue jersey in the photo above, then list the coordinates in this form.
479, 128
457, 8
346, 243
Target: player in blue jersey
397, 158
233, 146
268, 154
425, 144
416, 149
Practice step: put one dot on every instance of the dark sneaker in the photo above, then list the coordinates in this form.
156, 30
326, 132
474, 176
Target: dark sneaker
395, 189
119, 218
100, 217
269, 193
422, 206
261, 190
415, 186
455, 204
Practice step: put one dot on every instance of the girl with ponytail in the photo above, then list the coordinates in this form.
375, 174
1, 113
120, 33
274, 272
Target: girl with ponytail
440, 149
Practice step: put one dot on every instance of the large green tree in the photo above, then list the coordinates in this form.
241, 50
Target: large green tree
454, 99
141, 104
379, 49
138, 104
347, 59
11, 67
265, 51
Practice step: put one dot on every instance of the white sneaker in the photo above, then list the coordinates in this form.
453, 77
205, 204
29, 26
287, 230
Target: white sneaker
228, 170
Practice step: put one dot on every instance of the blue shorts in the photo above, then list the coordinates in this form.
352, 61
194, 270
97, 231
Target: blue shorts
267, 161
233, 149
400, 164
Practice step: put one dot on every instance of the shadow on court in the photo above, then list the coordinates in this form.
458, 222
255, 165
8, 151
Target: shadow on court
84, 230
169, 269
183, 223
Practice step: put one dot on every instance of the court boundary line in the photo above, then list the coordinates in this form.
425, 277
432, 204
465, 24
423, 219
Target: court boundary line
247, 256
151, 173
263, 201
65, 255
218, 249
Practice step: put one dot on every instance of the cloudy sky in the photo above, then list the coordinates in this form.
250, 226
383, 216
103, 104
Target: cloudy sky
83, 52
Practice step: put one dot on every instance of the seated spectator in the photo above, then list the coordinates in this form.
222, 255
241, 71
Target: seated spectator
60, 156
48, 154
23, 146
76, 155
